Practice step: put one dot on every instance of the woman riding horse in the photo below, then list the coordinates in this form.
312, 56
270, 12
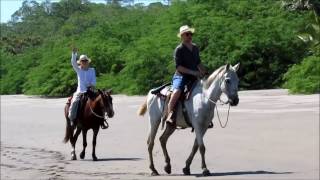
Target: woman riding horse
86, 80
93, 113
93, 108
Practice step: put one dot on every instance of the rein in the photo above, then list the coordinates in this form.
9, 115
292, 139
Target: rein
97, 115
223, 103
102, 117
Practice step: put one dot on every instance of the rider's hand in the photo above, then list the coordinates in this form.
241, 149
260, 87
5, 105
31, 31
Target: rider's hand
197, 74
203, 73
74, 49
90, 88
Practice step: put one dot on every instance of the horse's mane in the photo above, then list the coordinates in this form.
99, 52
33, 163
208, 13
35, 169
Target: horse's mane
213, 76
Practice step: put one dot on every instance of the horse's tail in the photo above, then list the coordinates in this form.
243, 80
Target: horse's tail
68, 132
143, 108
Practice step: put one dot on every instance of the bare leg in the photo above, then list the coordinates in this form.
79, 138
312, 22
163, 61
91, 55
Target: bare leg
84, 138
163, 140
186, 170
73, 141
94, 143
172, 103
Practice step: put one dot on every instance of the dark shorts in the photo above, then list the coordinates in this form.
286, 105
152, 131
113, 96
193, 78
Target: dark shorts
179, 82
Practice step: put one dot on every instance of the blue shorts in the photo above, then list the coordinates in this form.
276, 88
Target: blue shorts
179, 82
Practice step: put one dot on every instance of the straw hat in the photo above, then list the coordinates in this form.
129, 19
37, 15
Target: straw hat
184, 29
83, 57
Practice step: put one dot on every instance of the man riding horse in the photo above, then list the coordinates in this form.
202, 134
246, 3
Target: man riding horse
188, 68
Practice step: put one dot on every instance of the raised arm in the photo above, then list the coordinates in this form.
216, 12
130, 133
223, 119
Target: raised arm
74, 60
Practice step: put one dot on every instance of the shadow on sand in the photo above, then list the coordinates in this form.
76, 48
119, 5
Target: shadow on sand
243, 173
116, 159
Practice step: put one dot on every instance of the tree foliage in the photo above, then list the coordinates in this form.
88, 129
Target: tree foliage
304, 77
132, 46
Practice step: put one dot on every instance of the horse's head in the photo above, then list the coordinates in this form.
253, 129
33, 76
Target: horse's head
229, 83
107, 102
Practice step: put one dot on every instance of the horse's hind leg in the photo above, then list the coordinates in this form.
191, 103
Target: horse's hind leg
152, 134
84, 139
73, 141
94, 142
163, 140
186, 170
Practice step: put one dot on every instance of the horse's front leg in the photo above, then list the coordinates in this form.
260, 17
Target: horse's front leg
199, 136
84, 139
73, 141
163, 140
94, 143
186, 170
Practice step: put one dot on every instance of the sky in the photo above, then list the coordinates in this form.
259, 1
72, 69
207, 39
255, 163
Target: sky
8, 7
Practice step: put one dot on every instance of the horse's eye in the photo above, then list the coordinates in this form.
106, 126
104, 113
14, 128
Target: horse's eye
228, 81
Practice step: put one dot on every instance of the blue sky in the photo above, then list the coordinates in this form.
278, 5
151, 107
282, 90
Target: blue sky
8, 7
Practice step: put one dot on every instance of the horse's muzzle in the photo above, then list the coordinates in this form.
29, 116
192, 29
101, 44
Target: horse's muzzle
234, 101
110, 114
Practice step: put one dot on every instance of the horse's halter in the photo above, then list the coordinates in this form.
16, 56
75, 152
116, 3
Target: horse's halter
230, 89
225, 86
107, 103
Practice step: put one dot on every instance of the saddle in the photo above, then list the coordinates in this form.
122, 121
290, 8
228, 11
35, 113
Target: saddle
82, 102
90, 94
164, 92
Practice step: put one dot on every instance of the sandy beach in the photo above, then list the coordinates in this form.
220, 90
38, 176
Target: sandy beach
270, 135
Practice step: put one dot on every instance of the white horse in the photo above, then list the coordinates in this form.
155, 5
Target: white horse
200, 107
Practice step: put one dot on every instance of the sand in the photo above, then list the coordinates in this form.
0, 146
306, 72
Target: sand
270, 135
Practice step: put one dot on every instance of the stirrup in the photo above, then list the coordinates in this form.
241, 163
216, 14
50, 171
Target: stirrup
104, 125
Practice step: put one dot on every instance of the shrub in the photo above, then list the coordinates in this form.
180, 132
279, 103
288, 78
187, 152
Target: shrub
304, 77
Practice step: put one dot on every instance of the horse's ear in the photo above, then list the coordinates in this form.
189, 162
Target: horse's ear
100, 92
109, 91
227, 67
236, 67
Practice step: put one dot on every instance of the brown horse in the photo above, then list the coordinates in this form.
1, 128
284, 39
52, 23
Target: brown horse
91, 116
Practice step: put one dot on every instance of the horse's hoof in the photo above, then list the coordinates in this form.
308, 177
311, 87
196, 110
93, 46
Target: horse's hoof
154, 173
82, 155
73, 157
186, 171
206, 172
94, 158
167, 168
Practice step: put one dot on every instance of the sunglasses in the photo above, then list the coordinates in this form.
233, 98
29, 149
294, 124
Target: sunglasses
85, 60
188, 34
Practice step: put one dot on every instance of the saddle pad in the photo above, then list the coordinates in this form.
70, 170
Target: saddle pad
165, 91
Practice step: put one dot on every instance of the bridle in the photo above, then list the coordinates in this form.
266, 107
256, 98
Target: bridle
222, 103
104, 117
